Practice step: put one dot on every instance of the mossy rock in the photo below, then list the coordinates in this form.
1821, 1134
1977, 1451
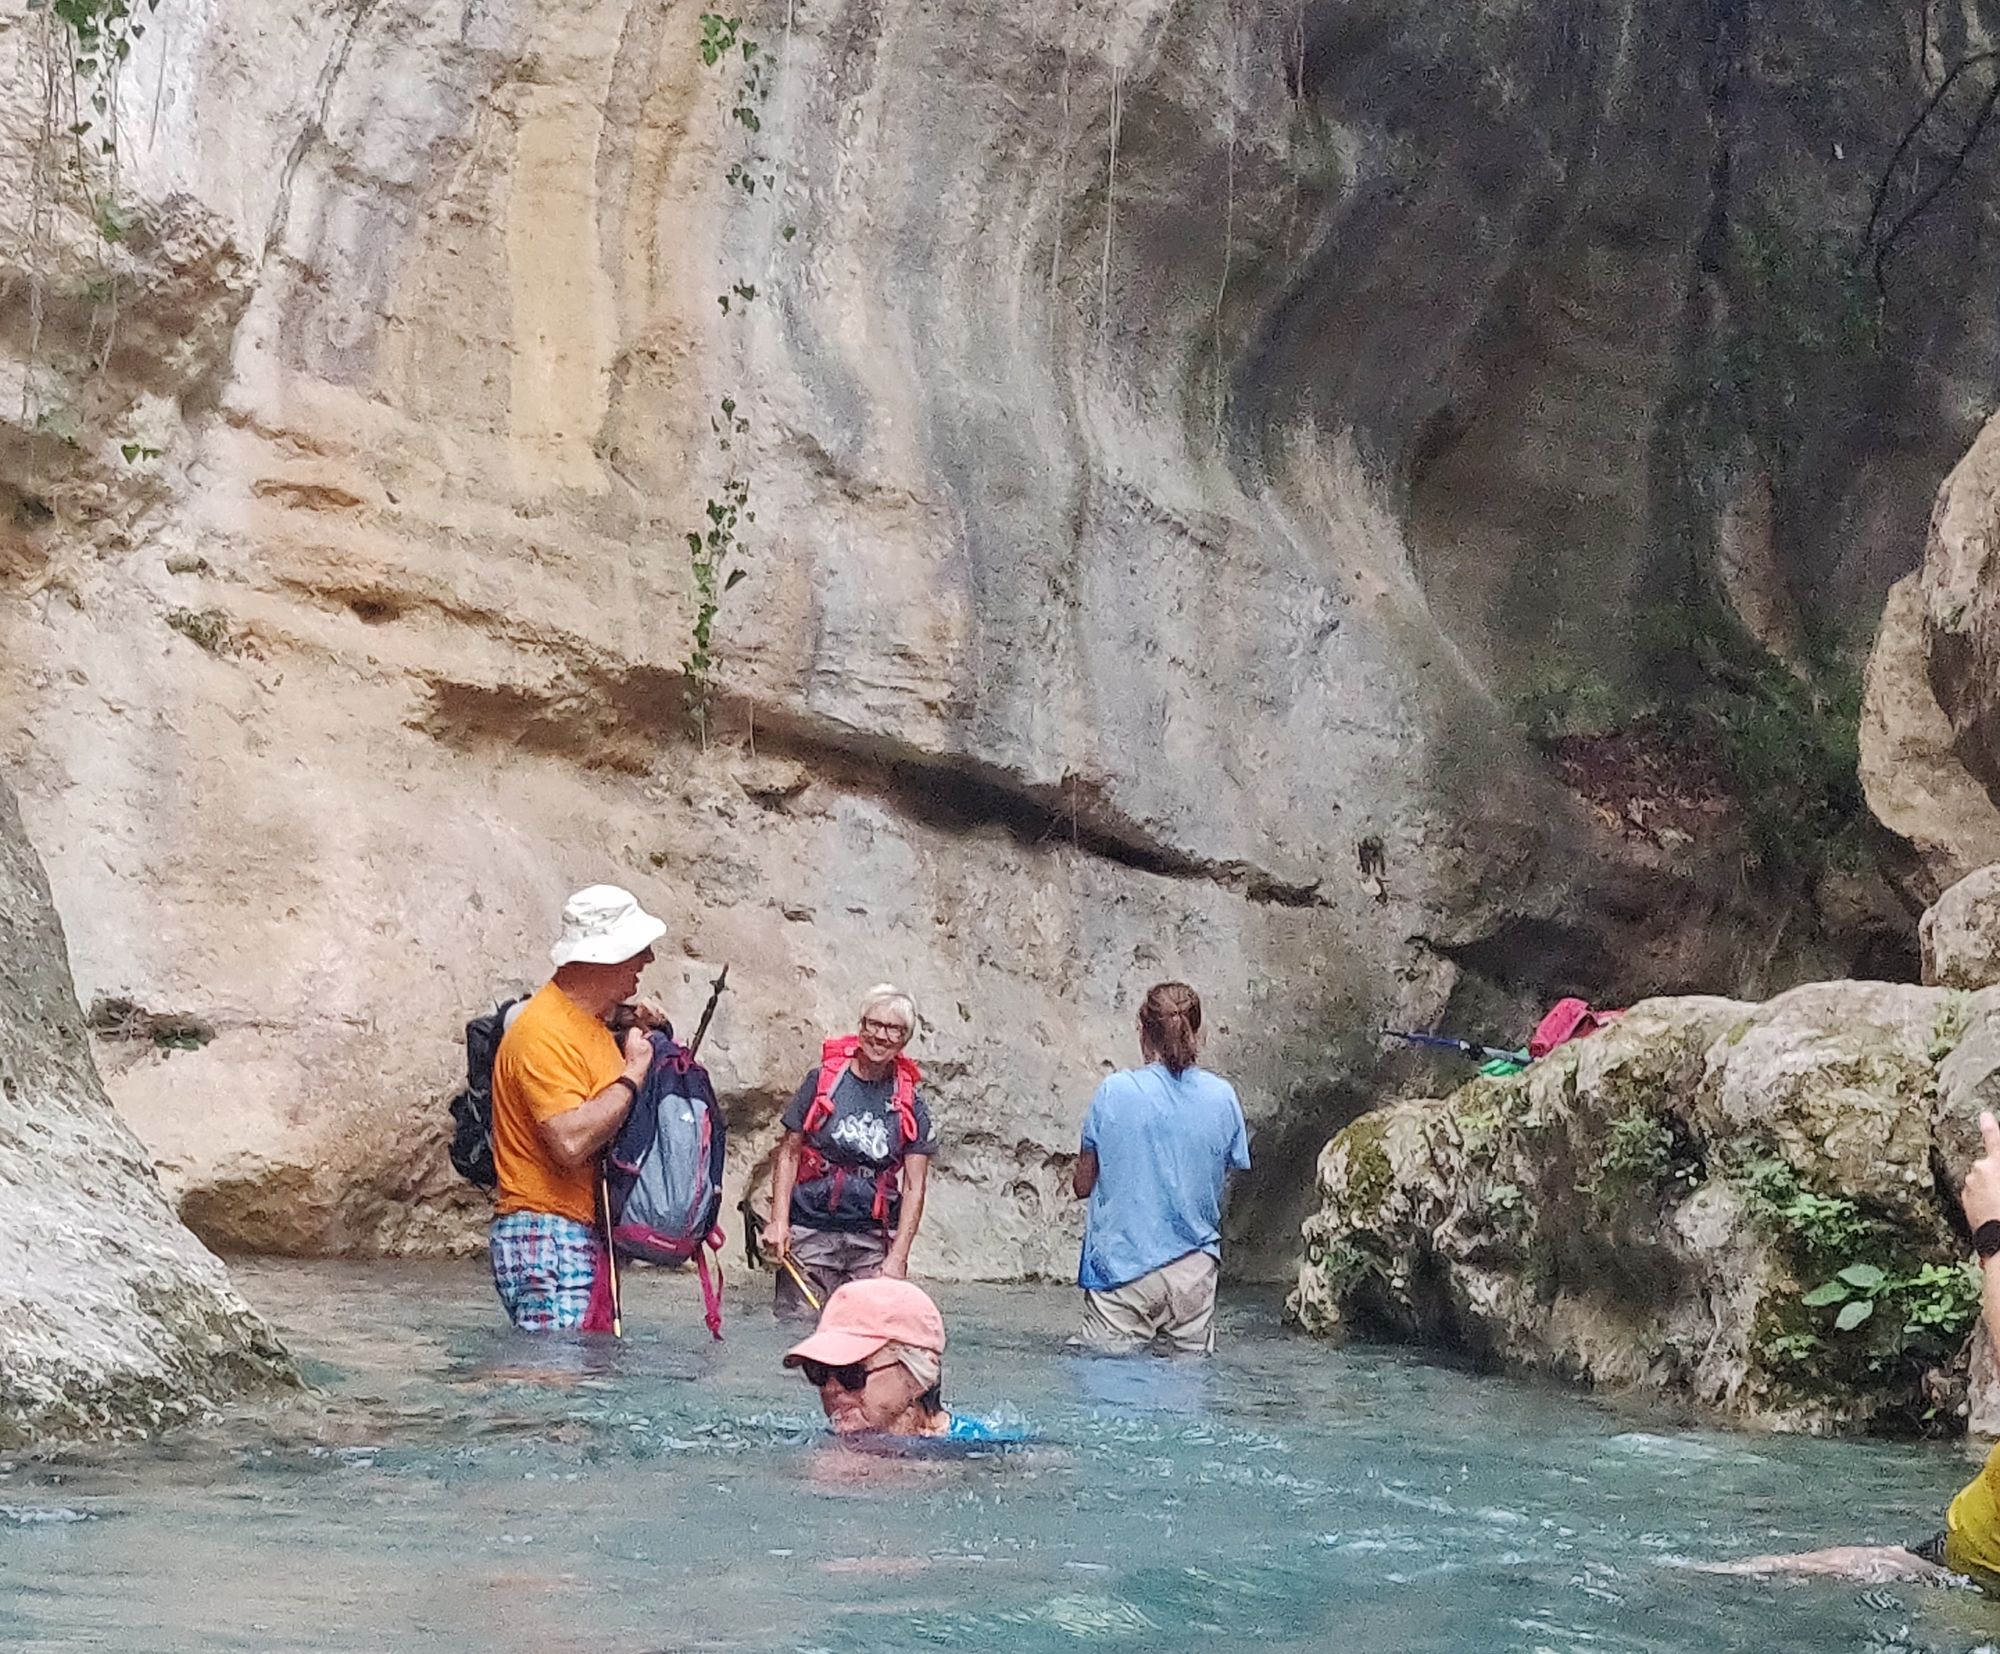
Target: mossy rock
1669, 1205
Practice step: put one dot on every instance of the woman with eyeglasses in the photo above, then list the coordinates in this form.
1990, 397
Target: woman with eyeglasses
877, 1360
847, 1183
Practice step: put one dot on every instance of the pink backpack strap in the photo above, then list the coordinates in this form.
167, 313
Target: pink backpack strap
904, 1097
711, 1281
835, 1057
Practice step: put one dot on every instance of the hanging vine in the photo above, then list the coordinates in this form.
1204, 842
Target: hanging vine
714, 546
80, 54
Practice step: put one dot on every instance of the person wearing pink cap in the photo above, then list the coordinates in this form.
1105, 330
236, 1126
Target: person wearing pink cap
877, 1360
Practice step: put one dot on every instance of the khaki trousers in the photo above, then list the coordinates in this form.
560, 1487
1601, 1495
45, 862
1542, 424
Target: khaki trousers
1175, 1302
829, 1258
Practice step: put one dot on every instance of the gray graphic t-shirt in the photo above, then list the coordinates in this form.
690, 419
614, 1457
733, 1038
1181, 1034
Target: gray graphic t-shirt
859, 1139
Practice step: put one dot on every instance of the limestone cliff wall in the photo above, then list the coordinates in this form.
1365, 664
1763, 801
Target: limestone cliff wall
1172, 434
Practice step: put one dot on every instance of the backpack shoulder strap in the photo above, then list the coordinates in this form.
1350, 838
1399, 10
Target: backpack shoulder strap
835, 1056
904, 1097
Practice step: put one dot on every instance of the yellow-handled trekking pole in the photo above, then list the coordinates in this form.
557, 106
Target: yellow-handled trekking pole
799, 1280
753, 1234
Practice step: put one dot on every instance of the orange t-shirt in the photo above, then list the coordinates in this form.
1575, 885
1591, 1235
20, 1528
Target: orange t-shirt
556, 1056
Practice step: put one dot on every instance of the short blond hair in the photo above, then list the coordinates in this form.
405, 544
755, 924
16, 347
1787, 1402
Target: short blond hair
887, 993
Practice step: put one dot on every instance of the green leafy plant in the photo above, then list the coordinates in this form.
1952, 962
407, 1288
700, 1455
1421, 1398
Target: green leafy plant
1565, 699
710, 550
1642, 1152
1793, 1349
1823, 1227
1938, 1303
716, 544
1347, 1268
1879, 1316
1854, 1289
1941, 1299
1638, 1149
79, 52
101, 35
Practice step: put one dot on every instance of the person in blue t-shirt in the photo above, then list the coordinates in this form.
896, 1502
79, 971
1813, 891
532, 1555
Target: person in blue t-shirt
1158, 1143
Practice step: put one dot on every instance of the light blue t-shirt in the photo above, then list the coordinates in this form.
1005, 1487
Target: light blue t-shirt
1164, 1144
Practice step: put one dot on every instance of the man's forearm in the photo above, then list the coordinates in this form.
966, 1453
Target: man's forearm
580, 1135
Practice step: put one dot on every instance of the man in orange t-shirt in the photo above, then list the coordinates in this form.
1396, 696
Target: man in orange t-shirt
562, 1086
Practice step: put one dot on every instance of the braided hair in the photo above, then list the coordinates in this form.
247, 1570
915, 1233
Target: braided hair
1170, 1024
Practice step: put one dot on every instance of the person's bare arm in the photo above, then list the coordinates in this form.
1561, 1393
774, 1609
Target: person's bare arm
1084, 1178
1980, 1196
784, 1178
916, 1177
578, 1135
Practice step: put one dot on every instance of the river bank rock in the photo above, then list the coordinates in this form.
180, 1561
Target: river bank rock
1941, 822
114, 1320
1960, 933
1961, 590
1695, 1204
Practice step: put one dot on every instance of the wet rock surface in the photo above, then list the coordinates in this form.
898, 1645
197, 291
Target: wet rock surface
1737, 1206
114, 1320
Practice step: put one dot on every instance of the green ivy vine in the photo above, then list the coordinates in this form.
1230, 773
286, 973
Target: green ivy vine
83, 50
714, 547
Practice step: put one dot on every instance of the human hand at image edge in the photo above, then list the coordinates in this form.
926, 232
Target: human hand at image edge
1980, 1193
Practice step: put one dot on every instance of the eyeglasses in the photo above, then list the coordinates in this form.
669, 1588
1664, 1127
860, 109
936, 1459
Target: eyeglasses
853, 1376
884, 1030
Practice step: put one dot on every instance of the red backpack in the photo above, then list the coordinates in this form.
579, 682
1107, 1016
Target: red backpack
1568, 1019
836, 1056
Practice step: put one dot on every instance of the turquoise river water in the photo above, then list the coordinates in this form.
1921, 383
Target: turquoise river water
456, 1487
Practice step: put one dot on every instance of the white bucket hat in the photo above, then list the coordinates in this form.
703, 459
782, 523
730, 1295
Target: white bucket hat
603, 925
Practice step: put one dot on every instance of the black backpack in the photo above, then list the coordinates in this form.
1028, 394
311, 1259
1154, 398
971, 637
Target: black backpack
472, 1108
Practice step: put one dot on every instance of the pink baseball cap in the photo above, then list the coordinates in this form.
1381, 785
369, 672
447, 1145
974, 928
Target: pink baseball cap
862, 1316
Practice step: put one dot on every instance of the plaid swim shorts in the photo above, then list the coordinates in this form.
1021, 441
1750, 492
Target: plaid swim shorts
543, 1269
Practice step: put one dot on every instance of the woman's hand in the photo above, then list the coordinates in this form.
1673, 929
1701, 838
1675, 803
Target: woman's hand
777, 1238
896, 1268
1980, 1194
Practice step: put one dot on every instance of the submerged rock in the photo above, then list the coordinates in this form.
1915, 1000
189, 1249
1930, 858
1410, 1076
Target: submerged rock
113, 1318
1740, 1206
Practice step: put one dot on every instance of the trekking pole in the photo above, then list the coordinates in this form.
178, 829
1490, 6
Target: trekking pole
1464, 1047
752, 1224
611, 1257
715, 992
